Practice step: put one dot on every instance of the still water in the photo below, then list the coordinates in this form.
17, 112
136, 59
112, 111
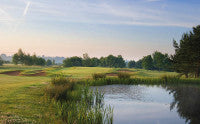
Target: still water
141, 104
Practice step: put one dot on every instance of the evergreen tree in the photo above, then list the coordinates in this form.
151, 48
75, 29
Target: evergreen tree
187, 53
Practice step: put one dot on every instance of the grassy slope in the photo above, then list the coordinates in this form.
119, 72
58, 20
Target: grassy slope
21, 96
141, 73
81, 72
22, 68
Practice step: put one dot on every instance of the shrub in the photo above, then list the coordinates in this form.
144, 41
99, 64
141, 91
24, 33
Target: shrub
98, 76
123, 75
60, 87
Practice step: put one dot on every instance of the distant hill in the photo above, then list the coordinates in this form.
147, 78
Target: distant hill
58, 60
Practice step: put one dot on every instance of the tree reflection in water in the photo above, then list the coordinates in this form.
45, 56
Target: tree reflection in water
187, 101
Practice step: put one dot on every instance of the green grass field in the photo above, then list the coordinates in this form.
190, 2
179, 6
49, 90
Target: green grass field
21, 97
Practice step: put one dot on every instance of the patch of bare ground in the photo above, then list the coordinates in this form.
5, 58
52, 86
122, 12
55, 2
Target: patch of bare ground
111, 74
12, 73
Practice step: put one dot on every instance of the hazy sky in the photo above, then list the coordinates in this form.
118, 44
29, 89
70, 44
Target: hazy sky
131, 28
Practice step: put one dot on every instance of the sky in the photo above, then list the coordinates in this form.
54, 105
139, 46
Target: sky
131, 28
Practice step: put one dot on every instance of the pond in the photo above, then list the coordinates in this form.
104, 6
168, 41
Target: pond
142, 104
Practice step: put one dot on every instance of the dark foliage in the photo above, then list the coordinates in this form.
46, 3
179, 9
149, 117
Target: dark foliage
187, 53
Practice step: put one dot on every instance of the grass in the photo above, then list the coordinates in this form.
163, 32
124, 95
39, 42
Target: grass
24, 70
123, 75
81, 72
22, 98
97, 76
141, 73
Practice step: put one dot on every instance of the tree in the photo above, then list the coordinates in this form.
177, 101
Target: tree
103, 62
27, 59
187, 53
131, 64
53, 63
110, 61
41, 62
120, 63
167, 63
1, 61
15, 59
138, 64
72, 61
86, 60
49, 62
21, 56
147, 62
18, 57
95, 62
158, 60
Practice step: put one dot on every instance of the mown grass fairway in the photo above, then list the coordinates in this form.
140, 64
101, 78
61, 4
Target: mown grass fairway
83, 72
21, 97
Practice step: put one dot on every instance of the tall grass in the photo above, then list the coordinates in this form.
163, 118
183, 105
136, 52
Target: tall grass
170, 78
165, 79
76, 104
123, 75
97, 76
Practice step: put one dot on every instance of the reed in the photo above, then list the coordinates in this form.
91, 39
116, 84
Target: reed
77, 104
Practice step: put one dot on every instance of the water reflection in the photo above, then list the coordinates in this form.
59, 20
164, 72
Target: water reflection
141, 104
186, 102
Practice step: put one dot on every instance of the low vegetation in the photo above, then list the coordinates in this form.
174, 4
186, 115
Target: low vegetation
77, 105
123, 75
31, 99
97, 76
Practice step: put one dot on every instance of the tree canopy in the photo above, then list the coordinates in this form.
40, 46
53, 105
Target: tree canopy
21, 58
147, 62
86, 61
131, 64
156, 61
1, 61
187, 53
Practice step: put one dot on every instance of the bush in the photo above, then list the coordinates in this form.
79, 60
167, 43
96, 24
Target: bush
123, 75
60, 87
98, 76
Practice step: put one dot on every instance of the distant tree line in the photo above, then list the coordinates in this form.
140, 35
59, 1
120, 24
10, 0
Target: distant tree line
1, 61
86, 61
21, 58
156, 61
186, 59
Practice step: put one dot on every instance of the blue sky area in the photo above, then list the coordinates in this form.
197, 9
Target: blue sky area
131, 28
